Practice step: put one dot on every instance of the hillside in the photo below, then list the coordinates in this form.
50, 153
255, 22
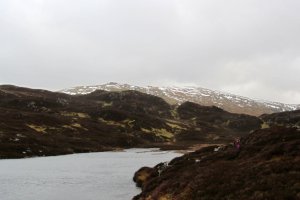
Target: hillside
291, 119
267, 166
177, 95
41, 123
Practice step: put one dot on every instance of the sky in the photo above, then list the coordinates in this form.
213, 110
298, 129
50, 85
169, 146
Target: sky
249, 48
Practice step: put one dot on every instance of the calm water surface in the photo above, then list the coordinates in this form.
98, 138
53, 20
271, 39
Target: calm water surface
91, 176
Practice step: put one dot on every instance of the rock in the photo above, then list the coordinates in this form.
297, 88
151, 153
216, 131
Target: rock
143, 175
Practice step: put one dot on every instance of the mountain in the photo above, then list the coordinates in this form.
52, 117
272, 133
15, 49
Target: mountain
40, 123
177, 95
267, 166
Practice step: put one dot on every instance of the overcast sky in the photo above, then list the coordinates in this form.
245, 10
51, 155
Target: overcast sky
248, 47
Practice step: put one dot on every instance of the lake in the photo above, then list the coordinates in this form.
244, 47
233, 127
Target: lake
89, 176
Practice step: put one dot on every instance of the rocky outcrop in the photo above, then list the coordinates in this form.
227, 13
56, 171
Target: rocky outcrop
143, 175
267, 166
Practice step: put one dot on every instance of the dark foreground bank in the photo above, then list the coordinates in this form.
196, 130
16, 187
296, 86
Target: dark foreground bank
267, 166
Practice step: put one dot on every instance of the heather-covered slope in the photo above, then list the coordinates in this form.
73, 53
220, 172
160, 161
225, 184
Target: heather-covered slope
38, 122
291, 119
266, 167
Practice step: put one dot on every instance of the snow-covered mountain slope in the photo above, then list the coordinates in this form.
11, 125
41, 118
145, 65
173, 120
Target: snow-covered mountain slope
178, 95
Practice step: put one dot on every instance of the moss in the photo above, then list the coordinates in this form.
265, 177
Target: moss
212, 137
159, 132
37, 128
68, 127
74, 114
194, 121
129, 122
83, 115
174, 113
146, 130
176, 126
104, 104
198, 129
75, 126
265, 125
166, 197
226, 123
112, 123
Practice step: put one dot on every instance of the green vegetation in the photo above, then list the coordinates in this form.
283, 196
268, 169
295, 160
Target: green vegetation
166, 197
212, 137
112, 123
129, 122
226, 123
75, 126
175, 126
74, 114
174, 113
159, 132
37, 128
105, 104
265, 125
69, 127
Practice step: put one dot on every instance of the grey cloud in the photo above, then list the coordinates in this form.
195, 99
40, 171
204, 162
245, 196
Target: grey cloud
246, 47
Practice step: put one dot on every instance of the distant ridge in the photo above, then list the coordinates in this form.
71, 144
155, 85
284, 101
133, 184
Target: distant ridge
203, 96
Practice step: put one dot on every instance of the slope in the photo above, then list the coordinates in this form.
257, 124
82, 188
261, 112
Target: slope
39, 122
